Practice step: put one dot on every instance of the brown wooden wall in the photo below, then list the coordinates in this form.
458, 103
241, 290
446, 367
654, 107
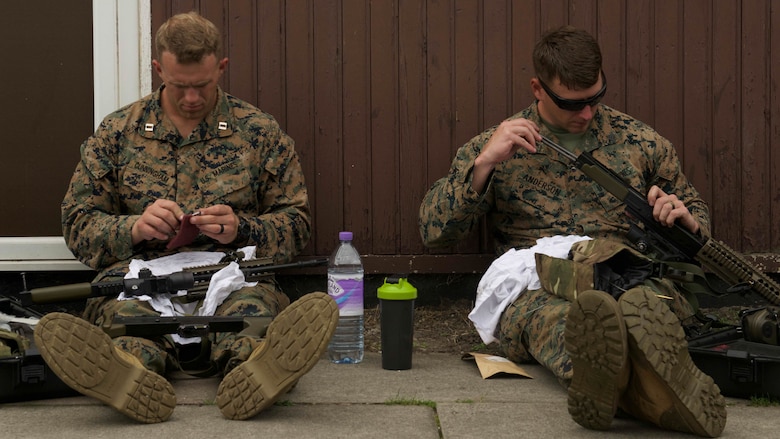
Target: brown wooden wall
379, 94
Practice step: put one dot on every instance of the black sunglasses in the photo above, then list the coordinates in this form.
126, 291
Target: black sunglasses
576, 104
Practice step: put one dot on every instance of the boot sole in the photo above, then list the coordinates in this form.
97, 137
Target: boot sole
85, 359
657, 342
295, 340
595, 339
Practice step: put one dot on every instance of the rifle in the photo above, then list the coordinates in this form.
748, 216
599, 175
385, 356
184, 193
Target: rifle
674, 244
184, 326
194, 280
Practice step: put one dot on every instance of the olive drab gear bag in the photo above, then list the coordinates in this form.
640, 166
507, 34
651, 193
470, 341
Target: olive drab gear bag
11, 341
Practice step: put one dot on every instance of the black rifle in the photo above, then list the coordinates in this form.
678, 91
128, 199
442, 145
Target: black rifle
193, 280
674, 244
185, 326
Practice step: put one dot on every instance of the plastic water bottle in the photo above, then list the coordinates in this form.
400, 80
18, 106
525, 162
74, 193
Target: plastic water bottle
345, 286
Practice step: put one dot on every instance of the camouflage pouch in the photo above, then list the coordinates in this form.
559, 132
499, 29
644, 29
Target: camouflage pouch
563, 277
594, 251
617, 267
599, 264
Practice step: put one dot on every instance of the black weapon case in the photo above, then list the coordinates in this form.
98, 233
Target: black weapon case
26, 376
741, 368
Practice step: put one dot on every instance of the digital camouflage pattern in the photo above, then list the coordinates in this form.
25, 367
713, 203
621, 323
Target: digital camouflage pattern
225, 350
537, 195
532, 328
238, 156
563, 277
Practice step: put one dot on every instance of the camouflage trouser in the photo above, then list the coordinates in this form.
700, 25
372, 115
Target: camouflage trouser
532, 328
228, 349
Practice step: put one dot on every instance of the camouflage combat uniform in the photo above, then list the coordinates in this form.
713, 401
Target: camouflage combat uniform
535, 195
238, 156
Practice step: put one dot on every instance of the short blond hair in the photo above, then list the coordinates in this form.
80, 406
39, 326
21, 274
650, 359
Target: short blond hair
189, 37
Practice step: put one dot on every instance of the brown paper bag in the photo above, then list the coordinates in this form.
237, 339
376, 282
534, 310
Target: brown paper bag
492, 365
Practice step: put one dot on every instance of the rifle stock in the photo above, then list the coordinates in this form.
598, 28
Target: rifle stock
673, 243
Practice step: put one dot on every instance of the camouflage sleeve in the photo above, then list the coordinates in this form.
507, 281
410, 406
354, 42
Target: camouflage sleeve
94, 231
283, 228
670, 178
451, 208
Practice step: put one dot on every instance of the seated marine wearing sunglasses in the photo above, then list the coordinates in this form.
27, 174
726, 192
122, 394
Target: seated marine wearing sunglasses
604, 349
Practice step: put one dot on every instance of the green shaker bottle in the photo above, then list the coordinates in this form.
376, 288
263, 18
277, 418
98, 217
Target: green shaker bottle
396, 312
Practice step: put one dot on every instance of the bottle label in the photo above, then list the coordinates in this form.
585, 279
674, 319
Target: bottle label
347, 291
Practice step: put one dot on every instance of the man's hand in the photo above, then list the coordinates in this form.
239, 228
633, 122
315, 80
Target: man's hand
160, 221
218, 222
510, 136
667, 209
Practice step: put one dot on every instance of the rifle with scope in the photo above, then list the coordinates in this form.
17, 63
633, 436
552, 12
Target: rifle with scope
193, 280
674, 244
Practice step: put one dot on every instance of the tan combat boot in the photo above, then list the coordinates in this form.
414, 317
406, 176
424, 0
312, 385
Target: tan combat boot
295, 340
666, 388
595, 340
85, 359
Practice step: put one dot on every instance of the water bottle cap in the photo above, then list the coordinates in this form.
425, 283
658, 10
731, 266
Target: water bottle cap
345, 236
396, 288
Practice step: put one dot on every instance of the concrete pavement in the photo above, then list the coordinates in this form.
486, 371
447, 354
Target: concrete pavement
442, 396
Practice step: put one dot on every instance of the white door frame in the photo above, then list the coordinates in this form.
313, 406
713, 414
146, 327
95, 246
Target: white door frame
122, 47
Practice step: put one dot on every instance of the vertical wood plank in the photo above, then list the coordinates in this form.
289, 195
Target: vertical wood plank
331, 165
639, 58
299, 102
440, 29
496, 63
773, 143
439, 88
584, 15
270, 59
180, 6
412, 118
726, 114
357, 188
384, 161
611, 35
668, 72
523, 35
693, 145
160, 12
755, 157
467, 88
553, 14
239, 16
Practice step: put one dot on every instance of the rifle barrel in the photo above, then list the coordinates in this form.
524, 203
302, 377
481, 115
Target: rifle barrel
559, 149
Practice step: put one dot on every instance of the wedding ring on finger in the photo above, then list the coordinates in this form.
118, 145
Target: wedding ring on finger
221, 229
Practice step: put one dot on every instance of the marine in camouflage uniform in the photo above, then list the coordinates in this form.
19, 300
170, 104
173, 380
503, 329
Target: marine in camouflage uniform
238, 156
534, 194
188, 147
